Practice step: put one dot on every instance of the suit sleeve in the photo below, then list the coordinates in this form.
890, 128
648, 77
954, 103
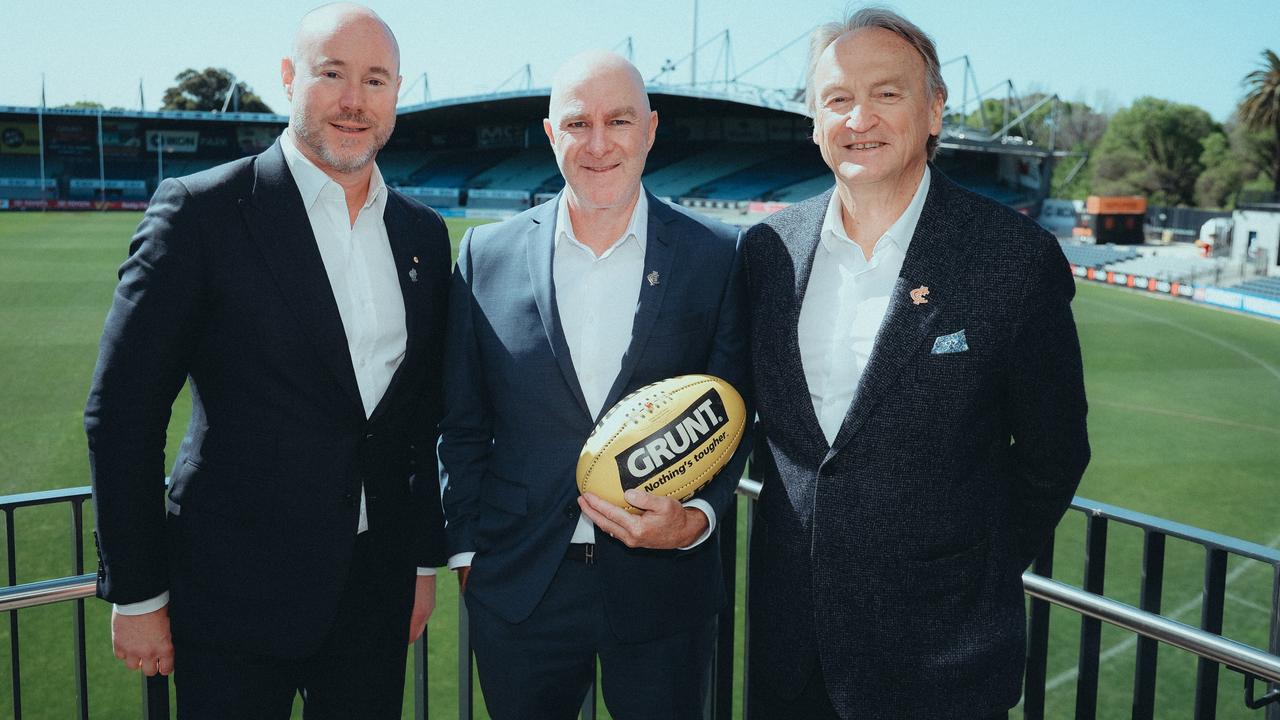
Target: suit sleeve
1050, 447
730, 361
425, 482
147, 341
466, 432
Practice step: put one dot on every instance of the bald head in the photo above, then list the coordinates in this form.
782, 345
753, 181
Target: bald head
326, 21
591, 67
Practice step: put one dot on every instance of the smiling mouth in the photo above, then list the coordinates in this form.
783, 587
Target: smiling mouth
349, 129
601, 168
865, 146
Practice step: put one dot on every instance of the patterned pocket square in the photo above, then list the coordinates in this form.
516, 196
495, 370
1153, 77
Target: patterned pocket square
953, 343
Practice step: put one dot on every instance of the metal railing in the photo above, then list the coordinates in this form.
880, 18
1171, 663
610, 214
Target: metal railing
1206, 642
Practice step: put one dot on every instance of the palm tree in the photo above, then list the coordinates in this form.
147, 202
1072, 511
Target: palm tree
1261, 107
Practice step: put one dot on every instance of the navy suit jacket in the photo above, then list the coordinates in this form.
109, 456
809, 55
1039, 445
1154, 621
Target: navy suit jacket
893, 557
516, 419
225, 289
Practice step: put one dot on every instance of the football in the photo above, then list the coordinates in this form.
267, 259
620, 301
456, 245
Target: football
667, 438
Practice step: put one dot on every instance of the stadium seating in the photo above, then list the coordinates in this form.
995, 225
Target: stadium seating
680, 177
454, 168
527, 169
1267, 287
805, 189
1173, 268
1096, 256
758, 181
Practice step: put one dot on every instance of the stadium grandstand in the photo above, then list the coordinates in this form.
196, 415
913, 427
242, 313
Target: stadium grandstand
716, 146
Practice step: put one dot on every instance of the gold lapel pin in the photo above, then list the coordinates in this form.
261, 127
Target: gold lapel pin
918, 295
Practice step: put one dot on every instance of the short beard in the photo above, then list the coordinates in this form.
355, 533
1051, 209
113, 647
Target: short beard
307, 129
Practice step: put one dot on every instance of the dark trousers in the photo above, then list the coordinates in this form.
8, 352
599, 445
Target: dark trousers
813, 703
540, 669
358, 673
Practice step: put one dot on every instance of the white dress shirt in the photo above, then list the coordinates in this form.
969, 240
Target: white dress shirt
362, 274
845, 304
596, 298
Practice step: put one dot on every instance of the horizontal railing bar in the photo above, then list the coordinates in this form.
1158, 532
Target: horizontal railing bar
1170, 632
47, 592
45, 497
1207, 538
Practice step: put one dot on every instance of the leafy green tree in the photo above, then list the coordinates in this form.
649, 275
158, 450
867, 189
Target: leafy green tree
1153, 148
1261, 107
1223, 173
84, 105
208, 91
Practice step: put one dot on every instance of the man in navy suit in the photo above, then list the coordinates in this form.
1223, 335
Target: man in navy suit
555, 315
303, 301
921, 403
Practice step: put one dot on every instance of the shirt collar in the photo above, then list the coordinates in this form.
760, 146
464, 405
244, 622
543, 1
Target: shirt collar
637, 227
312, 181
899, 233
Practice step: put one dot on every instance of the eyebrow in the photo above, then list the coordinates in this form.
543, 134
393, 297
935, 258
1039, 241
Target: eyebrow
578, 116
333, 62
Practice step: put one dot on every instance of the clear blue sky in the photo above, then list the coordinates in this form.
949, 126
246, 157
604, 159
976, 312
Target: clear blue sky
1105, 53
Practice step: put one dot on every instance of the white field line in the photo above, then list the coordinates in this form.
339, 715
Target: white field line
1199, 333
1186, 416
1248, 603
1128, 643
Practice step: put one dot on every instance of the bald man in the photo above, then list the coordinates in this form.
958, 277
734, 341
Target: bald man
555, 315
303, 301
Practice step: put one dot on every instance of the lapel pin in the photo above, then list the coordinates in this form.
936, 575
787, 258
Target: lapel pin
652, 277
413, 273
918, 295
415, 259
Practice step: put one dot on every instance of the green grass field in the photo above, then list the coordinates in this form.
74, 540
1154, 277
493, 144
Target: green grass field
1185, 424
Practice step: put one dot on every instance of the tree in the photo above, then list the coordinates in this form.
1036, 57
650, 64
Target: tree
1223, 173
208, 91
1261, 107
84, 105
1153, 148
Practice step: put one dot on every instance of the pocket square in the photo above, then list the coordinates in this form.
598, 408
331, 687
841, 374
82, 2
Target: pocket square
953, 343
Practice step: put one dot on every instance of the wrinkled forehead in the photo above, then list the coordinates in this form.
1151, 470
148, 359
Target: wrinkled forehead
597, 90
869, 55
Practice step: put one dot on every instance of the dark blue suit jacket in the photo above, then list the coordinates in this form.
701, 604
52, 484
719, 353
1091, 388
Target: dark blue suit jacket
516, 419
225, 289
894, 556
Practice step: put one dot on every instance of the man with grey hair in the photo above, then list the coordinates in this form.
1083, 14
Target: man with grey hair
936, 432
555, 315
303, 301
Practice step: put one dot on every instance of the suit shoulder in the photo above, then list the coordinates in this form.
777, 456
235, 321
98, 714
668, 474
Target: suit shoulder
233, 179
1005, 229
418, 210
789, 217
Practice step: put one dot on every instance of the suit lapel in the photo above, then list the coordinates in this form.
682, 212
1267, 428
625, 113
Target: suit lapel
934, 259
399, 224
540, 244
276, 218
659, 252
802, 245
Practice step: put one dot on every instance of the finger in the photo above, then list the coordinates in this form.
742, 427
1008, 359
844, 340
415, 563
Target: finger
165, 665
150, 667
611, 511
606, 522
645, 501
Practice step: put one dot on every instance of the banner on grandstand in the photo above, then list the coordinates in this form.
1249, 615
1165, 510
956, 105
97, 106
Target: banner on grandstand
19, 138
253, 139
499, 136
175, 141
120, 138
71, 136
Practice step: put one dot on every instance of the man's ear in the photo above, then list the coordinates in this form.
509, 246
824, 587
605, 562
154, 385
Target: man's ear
286, 76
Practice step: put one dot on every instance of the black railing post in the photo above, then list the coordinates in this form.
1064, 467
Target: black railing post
1038, 641
721, 696
421, 709
81, 654
465, 711
1211, 607
14, 659
155, 697
1095, 572
1273, 644
1144, 669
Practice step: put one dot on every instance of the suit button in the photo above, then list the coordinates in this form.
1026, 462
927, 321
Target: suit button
349, 499
571, 511
368, 437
